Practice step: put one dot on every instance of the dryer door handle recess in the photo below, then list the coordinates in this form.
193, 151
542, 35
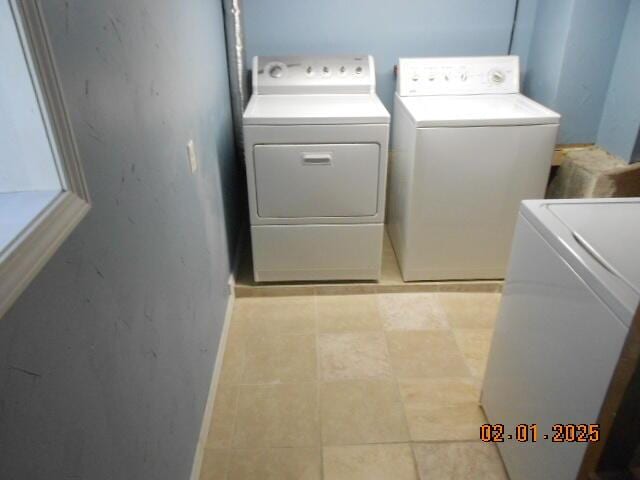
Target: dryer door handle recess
316, 158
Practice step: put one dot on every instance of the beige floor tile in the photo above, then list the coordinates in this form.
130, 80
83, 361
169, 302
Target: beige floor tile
442, 409
274, 315
459, 461
280, 359
425, 354
412, 311
445, 422
276, 464
363, 411
470, 310
419, 392
350, 356
277, 416
234, 359
215, 464
348, 313
475, 345
369, 462
223, 417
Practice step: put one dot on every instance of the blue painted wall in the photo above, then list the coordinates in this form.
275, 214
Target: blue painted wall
386, 29
105, 360
549, 34
572, 50
620, 125
523, 32
590, 52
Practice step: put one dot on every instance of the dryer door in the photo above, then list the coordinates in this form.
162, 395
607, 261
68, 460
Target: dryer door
321, 180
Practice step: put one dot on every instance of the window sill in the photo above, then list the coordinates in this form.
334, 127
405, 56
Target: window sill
17, 211
37, 237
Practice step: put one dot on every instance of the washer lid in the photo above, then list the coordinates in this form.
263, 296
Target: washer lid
609, 231
477, 110
600, 239
315, 109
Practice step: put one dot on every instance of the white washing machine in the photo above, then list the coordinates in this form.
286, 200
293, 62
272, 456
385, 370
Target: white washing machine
316, 147
570, 294
467, 147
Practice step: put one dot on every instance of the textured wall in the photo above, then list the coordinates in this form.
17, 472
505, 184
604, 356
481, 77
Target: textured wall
105, 360
523, 32
593, 42
572, 51
386, 29
620, 127
547, 45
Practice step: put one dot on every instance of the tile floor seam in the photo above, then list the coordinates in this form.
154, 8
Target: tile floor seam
251, 449
316, 314
464, 357
394, 442
404, 413
397, 383
466, 360
276, 334
450, 441
273, 383
235, 417
244, 354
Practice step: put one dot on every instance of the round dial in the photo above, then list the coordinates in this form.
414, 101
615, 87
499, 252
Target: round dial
276, 71
497, 76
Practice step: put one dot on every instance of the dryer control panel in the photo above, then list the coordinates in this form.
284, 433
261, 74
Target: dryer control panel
458, 76
313, 74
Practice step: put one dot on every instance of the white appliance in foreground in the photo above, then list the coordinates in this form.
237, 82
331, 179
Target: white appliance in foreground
467, 147
570, 294
316, 146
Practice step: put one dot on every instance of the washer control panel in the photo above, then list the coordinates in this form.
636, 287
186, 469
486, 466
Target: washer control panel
313, 74
458, 76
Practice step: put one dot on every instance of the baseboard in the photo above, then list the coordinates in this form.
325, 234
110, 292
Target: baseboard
217, 368
213, 387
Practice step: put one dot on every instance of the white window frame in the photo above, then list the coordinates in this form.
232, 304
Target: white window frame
25, 256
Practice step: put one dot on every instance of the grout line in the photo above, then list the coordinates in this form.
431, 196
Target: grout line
403, 405
235, 415
316, 315
339, 445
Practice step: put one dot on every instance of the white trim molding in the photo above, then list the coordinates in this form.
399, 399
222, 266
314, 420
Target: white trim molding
33, 247
198, 456
213, 388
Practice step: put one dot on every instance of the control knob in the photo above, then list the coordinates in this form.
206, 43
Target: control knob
276, 71
497, 77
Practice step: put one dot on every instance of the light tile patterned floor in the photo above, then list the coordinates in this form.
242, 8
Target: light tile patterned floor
354, 387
